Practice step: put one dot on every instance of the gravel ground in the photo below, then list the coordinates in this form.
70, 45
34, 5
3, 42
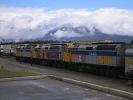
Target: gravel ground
11, 64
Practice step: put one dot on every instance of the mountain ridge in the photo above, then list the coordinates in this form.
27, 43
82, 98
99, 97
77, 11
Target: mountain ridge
68, 32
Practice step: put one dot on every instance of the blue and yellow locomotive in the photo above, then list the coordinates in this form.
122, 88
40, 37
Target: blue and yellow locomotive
112, 59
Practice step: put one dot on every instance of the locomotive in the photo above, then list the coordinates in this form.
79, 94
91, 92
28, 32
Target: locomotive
112, 59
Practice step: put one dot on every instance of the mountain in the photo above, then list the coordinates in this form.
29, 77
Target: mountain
82, 33
2, 40
68, 32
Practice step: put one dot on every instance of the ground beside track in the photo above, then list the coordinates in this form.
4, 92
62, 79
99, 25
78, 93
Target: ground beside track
100, 80
49, 89
4, 73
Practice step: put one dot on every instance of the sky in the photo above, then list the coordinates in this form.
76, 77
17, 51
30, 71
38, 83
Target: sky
60, 4
36, 18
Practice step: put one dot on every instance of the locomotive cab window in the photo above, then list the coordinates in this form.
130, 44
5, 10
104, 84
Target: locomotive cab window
46, 48
89, 48
55, 48
37, 49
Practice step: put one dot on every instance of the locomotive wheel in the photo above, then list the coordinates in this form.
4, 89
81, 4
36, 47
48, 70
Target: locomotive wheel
130, 82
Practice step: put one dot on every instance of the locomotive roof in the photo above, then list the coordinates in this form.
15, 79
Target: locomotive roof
84, 46
110, 43
43, 46
58, 44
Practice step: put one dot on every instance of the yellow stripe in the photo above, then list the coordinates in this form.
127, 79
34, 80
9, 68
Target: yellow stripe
130, 61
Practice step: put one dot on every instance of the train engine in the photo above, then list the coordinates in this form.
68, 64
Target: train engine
129, 64
101, 58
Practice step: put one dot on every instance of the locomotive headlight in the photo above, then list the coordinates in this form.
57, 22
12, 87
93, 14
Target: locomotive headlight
130, 68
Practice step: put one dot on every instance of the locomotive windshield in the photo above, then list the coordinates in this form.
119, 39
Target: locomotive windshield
89, 48
46, 48
54, 48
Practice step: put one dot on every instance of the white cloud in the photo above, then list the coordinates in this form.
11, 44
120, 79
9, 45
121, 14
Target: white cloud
36, 22
61, 34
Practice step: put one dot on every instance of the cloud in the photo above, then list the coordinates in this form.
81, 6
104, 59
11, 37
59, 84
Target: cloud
37, 22
61, 34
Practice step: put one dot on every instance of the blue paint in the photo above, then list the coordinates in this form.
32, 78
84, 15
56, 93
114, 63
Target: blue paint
129, 55
96, 53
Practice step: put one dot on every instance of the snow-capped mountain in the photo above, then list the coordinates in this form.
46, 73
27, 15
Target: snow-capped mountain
70, 33
82, 33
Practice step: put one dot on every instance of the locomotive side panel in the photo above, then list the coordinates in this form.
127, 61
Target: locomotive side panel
74, 58
129, 63
38, 54
53, 55
107, 60
26, 54
44, 54
91, 59
80, 58
18, 52
33, 54
56, 52
67, 57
